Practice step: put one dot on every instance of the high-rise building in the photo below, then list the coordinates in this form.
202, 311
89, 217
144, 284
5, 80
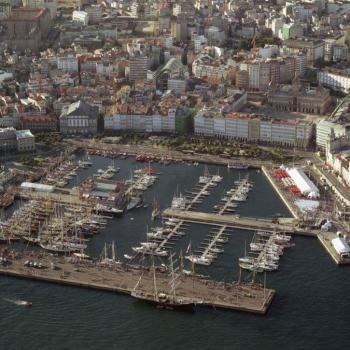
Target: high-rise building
138, 67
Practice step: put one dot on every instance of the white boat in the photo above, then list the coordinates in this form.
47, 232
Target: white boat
138, 249
82, 256
281, 237
160, 252
251, 267
112, 169
107, 175
179, 202
198, 260
156, 235
149, 245
217, 250
174, 220
217, 178
203, 180
257, 247
247, 260
222, 240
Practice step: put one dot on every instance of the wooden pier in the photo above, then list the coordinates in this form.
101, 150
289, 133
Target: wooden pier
236, 296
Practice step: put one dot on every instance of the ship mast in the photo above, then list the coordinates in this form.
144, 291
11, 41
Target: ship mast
113, 252
154, 280
105, 251
173, 282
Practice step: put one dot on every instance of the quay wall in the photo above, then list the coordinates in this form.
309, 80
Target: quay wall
239, 297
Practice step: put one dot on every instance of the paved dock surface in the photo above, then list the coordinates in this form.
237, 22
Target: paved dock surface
326, 240
243, 297
245, 223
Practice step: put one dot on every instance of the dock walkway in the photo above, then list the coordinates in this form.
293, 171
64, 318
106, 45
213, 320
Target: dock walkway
199, 195
230, 200
213, 242
193, 201
245, 223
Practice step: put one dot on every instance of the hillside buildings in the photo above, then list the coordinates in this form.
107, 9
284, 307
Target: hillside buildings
166, 67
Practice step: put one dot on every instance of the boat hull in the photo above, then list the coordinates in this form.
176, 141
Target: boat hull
166, 305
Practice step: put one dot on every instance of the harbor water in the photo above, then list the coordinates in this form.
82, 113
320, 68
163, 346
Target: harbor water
310, 311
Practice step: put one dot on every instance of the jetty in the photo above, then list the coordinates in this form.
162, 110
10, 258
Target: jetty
196, 199
248, 297
288, 225
208, 251
202, 189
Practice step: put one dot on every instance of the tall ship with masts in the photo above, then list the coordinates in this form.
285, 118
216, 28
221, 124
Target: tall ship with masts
162, 299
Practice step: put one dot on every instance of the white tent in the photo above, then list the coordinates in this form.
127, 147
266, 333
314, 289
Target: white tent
304, 184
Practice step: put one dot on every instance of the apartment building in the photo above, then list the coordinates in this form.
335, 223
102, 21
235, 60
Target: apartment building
140, 122
80, 17
20, 140
94, 13
39, 123
8, 141
209, 67
25, 141
251, 128
68, 63
314, 48
326, 128
336, 79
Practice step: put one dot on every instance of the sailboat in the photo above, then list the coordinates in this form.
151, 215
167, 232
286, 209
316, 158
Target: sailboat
163, 300
205, 178
62, 246
156, 210
106, 259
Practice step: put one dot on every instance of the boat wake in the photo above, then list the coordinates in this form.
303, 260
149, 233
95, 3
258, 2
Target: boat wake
18, 302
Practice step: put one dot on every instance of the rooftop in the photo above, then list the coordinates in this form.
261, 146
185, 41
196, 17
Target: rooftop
21, 134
